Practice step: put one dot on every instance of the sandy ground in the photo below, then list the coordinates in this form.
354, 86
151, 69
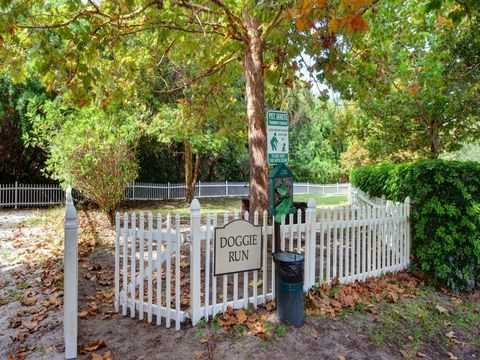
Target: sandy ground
126, 338
16, 279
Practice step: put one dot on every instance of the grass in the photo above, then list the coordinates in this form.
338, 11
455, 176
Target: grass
417, 324
225, 204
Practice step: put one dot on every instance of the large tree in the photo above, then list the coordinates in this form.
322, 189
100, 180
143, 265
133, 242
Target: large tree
85, 46
415, 74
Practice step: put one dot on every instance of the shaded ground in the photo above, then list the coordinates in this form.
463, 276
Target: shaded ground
433, 325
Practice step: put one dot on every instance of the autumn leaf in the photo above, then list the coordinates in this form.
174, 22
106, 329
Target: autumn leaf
83, 314
198, 354
241, 316
270, 306
451, 356
441, 309
92, 346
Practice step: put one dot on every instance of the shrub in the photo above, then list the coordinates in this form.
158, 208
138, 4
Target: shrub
445, 214
91, 151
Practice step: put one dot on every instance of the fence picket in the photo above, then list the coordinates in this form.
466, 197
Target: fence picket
141, 265
125, 259
150, 266
133, 256
264, 261
159, 268
207, 266
255, 272
225, 277
168, 273
245, 275
341, 243
214, 278
117, 261
328, 264
322, 247
177, 271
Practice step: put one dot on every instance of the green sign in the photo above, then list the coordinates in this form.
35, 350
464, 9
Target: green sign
277, 135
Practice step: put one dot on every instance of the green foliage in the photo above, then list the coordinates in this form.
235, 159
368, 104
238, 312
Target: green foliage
315, 149
17, 161
90, 150
445, 215
415, 76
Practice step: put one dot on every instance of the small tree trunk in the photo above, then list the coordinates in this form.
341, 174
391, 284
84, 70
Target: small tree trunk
257, 134
191, 173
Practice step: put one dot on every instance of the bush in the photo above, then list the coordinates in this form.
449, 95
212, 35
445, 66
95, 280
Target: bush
91, 151
445, 214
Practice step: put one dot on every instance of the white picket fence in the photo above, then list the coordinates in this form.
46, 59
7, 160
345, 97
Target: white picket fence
348, 243
16, 195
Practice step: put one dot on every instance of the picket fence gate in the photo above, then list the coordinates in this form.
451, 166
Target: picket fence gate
348, 243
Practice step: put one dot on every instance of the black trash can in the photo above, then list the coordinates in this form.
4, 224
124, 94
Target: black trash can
289, 287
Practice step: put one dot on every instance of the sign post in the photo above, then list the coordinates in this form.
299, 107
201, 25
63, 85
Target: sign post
281, 180
277, 137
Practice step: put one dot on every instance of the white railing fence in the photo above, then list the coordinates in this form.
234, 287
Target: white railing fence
359, 198
348, 243
16, 195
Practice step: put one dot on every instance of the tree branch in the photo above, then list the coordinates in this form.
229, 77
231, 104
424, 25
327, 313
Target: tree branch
204, 74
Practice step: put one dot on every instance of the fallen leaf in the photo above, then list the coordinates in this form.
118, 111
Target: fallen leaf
259, 283
405, 353
314, 334
83, 314
441, 309
241, 316
198, 353
270, 306
340, 357
92, 346
451, 335
451, 356
421, 355
205, 339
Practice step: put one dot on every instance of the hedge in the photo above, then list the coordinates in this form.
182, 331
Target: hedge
445, 214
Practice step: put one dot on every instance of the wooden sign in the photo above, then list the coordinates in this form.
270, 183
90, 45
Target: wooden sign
237, 248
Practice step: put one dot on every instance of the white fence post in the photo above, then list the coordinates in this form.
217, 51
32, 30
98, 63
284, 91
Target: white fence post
226, 188
311, 219
70, 281
168, 191
308, 187
337, 188
195, 258
407, 220
199, 189
133, 191
16, 194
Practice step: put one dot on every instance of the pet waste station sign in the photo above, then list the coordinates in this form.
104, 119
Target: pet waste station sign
237, 248
277, 137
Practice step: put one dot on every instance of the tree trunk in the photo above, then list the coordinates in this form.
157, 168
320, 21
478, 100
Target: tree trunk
257, 134
435, 143
191, 175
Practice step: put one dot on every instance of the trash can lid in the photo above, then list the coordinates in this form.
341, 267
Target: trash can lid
287, 257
